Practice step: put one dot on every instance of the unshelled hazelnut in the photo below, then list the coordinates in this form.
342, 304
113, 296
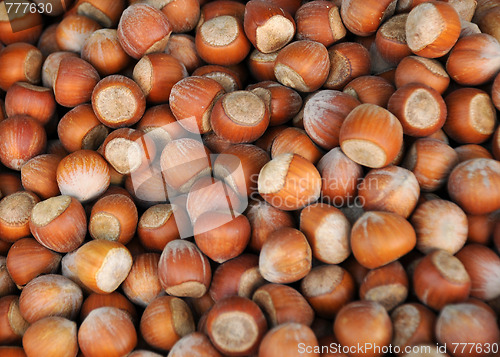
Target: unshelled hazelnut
328, 288
15, 211
236, 313
165, 321
222, 40
356, 322
51, 336
440, 279
371, 136
83, 174
19, 62
50, 295
184, 270
238, 276
73, 31
107, 331
27, 259
432, 38
289, 182
285, 256
375, 227
302, 65
21, 138
142, 284
140, 40
268, 27
282, 304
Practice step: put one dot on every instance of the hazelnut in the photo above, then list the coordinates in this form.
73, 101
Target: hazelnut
285, 256
165, 321
137, 41
183, 270
118, 101
302, 65
236, 314
356, 322
432, 29
50, 295
107, 331
83, 174
440, 279
375, 227
289, 182
267, 26
221, 40
371, 136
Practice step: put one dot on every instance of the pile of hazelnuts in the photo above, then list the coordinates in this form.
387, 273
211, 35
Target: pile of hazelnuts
263, 178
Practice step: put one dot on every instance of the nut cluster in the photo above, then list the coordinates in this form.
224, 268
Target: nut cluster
262, 178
